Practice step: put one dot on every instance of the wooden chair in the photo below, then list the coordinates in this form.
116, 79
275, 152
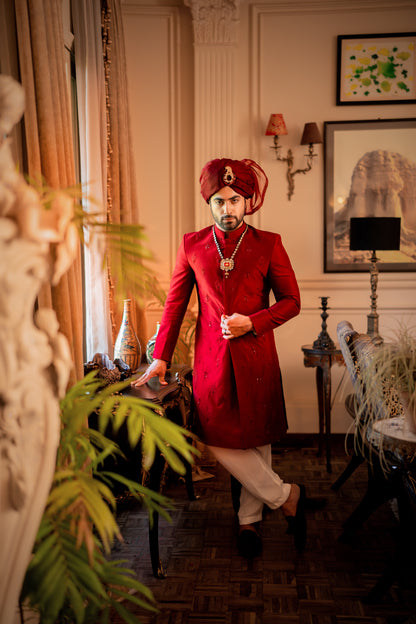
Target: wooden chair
390, 476
357, 349
357, 458
354, 346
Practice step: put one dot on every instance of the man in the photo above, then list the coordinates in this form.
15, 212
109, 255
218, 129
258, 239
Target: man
237, 386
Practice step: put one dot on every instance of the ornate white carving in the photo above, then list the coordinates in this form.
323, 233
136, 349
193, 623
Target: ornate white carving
34, 357
215, 21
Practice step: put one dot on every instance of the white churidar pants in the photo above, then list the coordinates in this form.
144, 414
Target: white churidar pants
260, 484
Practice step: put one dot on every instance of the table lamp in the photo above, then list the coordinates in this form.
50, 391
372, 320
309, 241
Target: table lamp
374, 234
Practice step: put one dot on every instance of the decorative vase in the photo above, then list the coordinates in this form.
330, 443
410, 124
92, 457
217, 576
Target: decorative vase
127, 346
151, 345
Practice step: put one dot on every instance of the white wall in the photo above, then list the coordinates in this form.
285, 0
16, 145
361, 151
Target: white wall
284, 61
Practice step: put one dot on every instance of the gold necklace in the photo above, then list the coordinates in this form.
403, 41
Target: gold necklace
227, 264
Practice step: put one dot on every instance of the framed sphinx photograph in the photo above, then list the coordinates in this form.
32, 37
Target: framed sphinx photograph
376, 69
370, 171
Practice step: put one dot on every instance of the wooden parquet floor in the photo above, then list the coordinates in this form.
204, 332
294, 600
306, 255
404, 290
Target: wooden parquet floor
209, 583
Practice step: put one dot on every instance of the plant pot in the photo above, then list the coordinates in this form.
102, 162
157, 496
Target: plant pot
409, 412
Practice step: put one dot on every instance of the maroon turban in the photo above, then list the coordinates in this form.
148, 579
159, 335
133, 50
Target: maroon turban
245, 177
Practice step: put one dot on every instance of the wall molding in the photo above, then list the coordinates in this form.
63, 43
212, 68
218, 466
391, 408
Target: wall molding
357, 309
140, 6
341, 281
331, 6
171, 15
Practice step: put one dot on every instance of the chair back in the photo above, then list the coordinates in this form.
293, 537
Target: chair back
358, 350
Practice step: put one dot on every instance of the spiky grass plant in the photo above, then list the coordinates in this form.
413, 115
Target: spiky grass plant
388, 378
71, 577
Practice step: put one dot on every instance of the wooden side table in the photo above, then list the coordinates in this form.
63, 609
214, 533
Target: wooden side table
323, 359
176, 400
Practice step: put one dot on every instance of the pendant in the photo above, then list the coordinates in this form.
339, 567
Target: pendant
227, 264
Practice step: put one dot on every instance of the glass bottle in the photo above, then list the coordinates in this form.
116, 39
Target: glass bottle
151, 345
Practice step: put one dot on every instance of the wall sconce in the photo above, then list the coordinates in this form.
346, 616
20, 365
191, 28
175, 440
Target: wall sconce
369, 234
311, 135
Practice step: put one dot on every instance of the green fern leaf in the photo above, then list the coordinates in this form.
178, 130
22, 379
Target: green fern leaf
127, 616
76, 600
148, 448
135, 427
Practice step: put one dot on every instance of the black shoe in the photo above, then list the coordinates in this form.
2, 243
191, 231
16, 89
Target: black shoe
311, 504
249, 544
297, 523
315, 503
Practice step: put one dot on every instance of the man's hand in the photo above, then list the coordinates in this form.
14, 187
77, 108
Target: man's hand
157, 368
235, 325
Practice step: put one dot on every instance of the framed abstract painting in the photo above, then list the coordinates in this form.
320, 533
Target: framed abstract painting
376, 69
370, 171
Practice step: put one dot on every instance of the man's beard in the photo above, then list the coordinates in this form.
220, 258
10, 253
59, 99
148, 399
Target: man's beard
228, 223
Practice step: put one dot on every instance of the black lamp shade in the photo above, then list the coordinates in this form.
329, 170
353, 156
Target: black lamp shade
375, 233
310, 134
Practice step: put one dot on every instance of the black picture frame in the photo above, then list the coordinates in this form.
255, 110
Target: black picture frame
376, 69
369, 166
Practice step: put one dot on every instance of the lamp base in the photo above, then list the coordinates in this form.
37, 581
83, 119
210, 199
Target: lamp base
372, 318
372, 329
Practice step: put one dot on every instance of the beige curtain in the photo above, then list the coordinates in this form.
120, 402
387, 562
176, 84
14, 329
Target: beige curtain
49, 140
121, 190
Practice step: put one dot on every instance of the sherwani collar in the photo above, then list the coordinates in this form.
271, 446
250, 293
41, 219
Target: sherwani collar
229, 237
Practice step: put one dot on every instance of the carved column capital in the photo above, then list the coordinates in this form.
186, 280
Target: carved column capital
215, 21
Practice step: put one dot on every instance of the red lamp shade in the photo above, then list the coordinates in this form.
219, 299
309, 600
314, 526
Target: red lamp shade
276, 125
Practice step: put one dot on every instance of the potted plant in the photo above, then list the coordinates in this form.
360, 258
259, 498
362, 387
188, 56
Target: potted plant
71, 577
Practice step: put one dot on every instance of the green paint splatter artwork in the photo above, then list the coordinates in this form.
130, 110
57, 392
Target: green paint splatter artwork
377, 71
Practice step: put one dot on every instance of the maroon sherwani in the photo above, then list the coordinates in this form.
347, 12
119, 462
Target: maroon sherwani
237, 383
